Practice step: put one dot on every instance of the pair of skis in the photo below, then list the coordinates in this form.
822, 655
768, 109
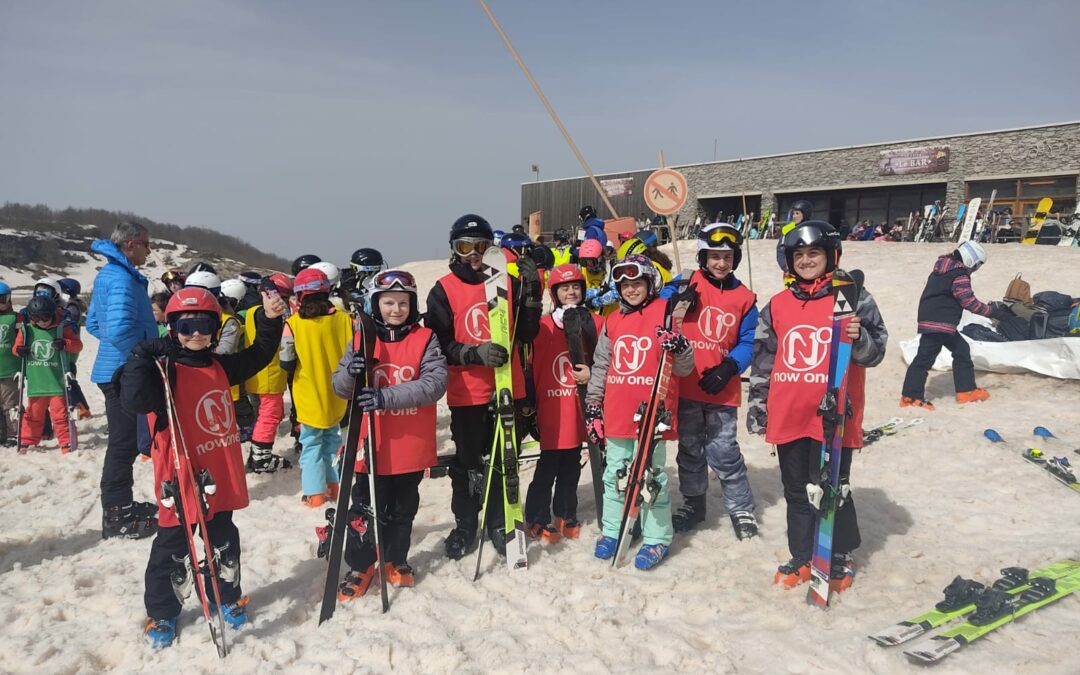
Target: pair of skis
338, 517
638, 479
983, 608
1057, 466
503, 458
575, 321
894, 426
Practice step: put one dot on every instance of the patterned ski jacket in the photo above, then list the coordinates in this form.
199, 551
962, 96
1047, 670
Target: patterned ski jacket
946, 295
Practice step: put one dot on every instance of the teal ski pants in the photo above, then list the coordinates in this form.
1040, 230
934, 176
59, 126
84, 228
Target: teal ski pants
655, 518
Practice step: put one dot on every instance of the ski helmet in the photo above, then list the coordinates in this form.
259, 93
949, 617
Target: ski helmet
202, 279
52, 288
70, 287
386, 281
565, 274
719, 237
647, 237
310, 281
192, 299
636, 266
586, 212
367, 260
283, 284
632, 246
972, 255
333, 274
517, 242
251, 279
4, 289
234, 289
804, 206
304, 261
590, 248
201, 266
471, 226
41, 308
497, 236
562, 235
810, 234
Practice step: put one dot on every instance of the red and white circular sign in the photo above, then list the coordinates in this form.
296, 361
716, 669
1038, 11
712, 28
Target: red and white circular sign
665, 191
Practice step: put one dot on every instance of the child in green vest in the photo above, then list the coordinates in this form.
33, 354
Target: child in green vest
9, 369
43, 341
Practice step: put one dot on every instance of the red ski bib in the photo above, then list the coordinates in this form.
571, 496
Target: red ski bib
474, 385
801, 372
207, 428
558, 412
406, 437
713, 329
635, 357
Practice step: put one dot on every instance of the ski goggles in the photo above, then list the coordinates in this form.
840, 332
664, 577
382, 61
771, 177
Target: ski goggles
203, 325
628, 272
394, 280
313, 286
721, 236
467, 246
366, 269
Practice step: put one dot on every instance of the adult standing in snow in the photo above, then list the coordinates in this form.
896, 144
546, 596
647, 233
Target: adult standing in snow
120, 317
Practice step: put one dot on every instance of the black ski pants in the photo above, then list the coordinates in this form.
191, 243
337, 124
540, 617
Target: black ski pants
472, 429
120, 452
930, 345
800, 462
398, 502
560, 469
171, 545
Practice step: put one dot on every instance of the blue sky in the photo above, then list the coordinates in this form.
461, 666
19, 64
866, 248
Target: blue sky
326, 126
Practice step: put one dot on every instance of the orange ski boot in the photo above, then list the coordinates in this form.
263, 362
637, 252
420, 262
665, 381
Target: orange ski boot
972, 396
314, 501
569, 527
399, 575
545, 533
65, 449
907, 401
792, 573
841, 572
355, 584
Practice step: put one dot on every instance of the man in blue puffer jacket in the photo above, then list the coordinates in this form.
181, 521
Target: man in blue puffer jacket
120, 317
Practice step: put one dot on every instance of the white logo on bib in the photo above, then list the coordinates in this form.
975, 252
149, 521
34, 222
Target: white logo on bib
628, 353
805, 347
214, 412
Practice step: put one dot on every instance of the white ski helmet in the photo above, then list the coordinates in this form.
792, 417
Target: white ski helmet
49, 283
233, 288
972, 254
333, 274
204, 279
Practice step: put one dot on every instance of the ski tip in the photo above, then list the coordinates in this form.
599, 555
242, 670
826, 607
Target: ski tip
1043, 432
993, 436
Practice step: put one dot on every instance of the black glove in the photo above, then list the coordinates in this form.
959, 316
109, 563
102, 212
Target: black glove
22, 351
357, 365
672, 341
487, 354
999, 310
716, 378
529, 275
369, 399
58, 344
155, 348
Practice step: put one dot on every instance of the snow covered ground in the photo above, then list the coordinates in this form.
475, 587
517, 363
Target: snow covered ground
933, 503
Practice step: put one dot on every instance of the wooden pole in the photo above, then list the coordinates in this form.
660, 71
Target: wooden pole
746, 245
551, 111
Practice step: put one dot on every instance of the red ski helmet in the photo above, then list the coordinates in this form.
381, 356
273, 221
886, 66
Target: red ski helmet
192, 299
565, 274
284, 284
590, 248
310, 281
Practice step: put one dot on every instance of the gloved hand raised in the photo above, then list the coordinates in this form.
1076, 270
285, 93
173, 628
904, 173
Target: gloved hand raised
357, 365
672, 341
156, 348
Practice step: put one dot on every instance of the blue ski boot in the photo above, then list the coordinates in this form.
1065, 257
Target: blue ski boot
649, 556
160, 633
235, 613
605, 547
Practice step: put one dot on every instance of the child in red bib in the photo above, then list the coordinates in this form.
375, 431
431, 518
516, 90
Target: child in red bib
787, 382
199, 380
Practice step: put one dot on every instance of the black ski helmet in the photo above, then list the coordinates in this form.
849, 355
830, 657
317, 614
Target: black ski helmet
805, 207
303, 262
41, 307
472, 226
586, 212
71, 287
367, 260
201, 266
813, 233
251, 279
562, 235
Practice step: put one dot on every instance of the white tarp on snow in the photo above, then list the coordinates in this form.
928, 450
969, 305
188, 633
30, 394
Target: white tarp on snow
1055, 357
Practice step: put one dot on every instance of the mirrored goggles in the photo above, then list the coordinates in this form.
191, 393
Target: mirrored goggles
627, 272
467, 246
394, 280
203, 325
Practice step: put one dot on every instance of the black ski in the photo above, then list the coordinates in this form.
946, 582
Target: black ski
576, 323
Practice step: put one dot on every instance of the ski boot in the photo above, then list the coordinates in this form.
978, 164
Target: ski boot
972, 396
650, 555
261, 459
83, 412
497, 535
460, 541
65, 449
313, 501
690, 514
841, 572
545, 533
570, 528
160, 633
745, 525
130, 521
605, 547
908, 402
235, 613
355, 584
399, 575
792, 573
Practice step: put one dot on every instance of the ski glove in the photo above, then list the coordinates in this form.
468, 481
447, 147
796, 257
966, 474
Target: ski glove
357, 365
487, 354
58, 344
529, 275
156, 348
672, 341
594, 423
714, 379
756, 420
999, 310
370, 399
22, 351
